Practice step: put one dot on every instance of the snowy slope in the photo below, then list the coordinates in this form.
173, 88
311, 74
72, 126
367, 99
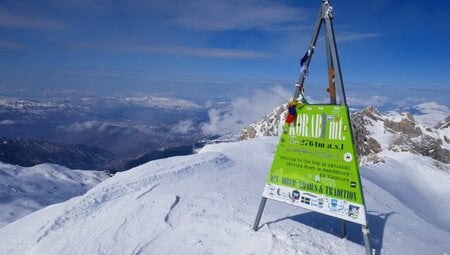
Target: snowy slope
26, 189
206, 204
417, 183
430, 113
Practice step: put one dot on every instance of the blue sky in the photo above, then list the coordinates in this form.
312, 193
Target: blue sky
390, 51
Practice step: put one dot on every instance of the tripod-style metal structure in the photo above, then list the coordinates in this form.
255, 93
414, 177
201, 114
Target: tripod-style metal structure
335, 88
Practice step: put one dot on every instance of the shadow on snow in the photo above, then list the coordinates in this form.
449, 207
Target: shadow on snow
331, 225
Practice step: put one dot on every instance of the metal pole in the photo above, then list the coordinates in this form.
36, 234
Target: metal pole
312, 45
262, 204
331, 80
331, 42
334, 56
365, 230
343, 229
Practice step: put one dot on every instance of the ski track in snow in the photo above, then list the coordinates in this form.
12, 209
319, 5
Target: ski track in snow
166, 219
206, 204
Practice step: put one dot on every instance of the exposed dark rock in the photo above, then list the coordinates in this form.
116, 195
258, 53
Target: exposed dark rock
365, 143
372, 113
406, 126
443, 124
247, 133
432, 148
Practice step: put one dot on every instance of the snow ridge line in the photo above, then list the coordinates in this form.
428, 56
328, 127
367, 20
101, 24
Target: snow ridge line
89, 203
175, 203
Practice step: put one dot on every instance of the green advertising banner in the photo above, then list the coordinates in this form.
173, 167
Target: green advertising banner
315, 165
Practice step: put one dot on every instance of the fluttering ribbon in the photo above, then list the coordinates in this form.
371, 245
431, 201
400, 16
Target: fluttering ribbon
303, 68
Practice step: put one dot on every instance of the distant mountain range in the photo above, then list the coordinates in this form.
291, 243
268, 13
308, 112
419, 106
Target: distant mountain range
97, 132
59, 104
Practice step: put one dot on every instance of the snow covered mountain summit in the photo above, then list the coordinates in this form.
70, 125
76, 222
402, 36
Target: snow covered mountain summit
206, 203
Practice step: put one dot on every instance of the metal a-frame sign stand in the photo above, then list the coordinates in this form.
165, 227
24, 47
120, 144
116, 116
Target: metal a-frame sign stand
335, 86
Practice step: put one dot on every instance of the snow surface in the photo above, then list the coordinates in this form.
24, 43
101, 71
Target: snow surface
430, 113
206, 204
26, 189
417, 183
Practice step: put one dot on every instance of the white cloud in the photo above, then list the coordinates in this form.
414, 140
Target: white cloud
183, 127
176, 50
242, 111
9, 19
374, 100
83, 126
217, 15
351, 36
7, 122
408, 101
205, 52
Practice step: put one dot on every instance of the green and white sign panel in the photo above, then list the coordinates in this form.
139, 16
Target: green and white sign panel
315, 165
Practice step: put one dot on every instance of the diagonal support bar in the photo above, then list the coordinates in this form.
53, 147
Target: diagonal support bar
312, 45
262, 204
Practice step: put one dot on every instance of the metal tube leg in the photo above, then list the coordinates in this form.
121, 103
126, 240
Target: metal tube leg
260, 211
365, 230
343, 229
